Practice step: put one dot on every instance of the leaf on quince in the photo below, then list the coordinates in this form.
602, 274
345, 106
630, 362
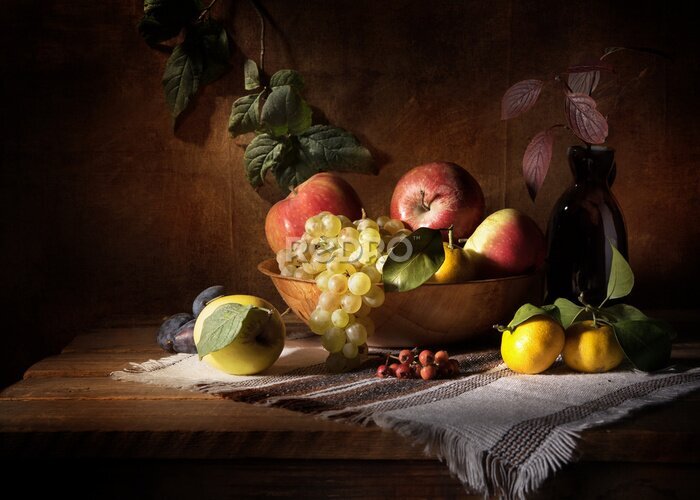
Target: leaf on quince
621, 278
568, 312
528, 311
227, 323
646, 343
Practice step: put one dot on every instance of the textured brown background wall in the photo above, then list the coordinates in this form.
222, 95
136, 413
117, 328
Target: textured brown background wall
106, 212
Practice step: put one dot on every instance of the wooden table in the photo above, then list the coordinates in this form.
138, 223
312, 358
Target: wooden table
191, 443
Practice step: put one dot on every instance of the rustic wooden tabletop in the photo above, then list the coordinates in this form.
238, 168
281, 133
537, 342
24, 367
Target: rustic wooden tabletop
68, 407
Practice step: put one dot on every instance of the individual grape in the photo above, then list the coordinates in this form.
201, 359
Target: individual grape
320, 321
302, 250
441, 357
404, 371
331, 226
370, 235
338, 283
349, 235
349, 269
345, 221
383, 371
359, 283
426, 357
350, 350
444, 370
367, 322
313, 268
329, 301
402, 233
313, 226
394, 367
428, 372
416, 367
350, 303
406, 356
374, 297
371, 271
339, 318
363, 311
336, 266
382, 220
356, 333
322, 280
363, 224
167, 330
333, 339
183, 340
206, 296
393, 226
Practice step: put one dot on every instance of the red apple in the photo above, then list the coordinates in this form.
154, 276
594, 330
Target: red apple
325, 191
439, 195
506, 243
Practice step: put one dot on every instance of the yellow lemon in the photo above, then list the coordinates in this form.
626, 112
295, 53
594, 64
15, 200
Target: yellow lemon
457, 267
249, 354
591, 349
533, 346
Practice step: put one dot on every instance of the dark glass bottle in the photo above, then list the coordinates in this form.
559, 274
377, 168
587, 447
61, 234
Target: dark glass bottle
584, 219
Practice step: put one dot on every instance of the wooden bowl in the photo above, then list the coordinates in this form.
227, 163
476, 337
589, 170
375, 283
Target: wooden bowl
432, 314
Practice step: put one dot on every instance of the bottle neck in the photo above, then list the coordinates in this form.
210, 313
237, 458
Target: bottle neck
592, 165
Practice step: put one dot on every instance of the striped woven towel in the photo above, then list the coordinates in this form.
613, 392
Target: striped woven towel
499, 432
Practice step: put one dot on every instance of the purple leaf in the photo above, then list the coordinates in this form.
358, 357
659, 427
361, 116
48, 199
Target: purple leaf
536, 160
520, 98
584, 119
590, 66
583, 83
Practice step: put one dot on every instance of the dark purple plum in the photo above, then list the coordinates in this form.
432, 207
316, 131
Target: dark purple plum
170, 326
183, 340
205, 296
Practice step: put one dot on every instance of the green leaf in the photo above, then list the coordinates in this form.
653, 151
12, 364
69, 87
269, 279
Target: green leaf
527, 311
646, 343
413, 260
216, 51
164, 19
568, 311
245, 115
332, 148
182, 77
287, 77
228, 323
621, 279
262, 154
285, 112
623, 312
251, 75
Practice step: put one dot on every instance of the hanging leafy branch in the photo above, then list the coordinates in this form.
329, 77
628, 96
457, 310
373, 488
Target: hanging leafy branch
578, 84
286, 144
200, 59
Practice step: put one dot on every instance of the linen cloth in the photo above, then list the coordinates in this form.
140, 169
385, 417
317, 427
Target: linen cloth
497, 431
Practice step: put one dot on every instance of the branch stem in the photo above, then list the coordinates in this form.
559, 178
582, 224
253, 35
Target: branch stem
262, 33
206, 10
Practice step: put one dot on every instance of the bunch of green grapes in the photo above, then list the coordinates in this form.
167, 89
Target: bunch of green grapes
345, 259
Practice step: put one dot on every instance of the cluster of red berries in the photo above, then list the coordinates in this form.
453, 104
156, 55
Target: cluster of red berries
425, 365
